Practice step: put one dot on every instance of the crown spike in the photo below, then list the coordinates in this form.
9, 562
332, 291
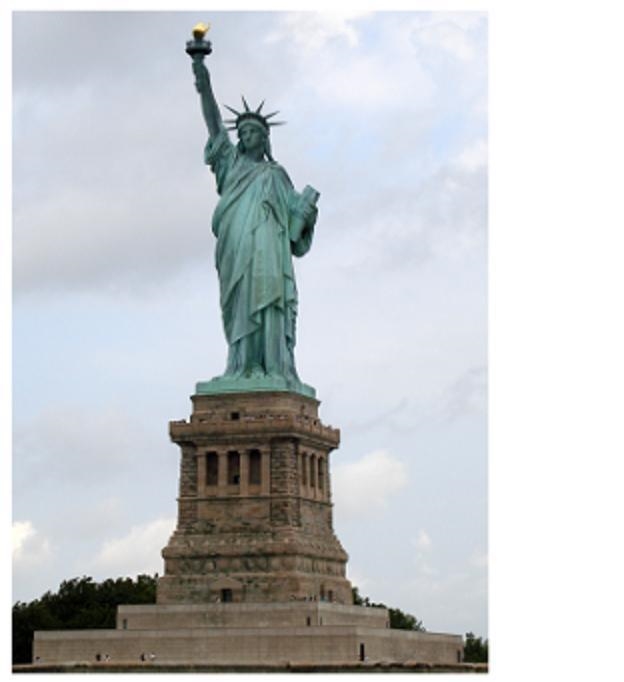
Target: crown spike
236, 113
248, 114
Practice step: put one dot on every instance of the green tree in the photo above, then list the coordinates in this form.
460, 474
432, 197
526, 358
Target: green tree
404, 621
358, 600
475, 649
79, 604
398, 619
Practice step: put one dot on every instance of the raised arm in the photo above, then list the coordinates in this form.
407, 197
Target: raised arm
209, 106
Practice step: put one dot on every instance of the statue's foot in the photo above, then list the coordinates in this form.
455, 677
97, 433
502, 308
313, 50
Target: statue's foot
256, 372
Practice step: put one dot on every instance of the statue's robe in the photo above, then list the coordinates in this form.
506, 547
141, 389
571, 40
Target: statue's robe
256, 232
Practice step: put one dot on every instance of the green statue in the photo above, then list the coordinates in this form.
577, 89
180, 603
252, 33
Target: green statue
260, 222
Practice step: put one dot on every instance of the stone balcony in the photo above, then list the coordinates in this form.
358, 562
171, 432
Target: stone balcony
284, 425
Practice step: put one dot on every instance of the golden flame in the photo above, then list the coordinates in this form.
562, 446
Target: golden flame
200, 30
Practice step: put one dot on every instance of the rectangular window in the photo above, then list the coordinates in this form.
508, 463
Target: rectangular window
212, 468
321, 474
233, 470
312, 471
304, 469
255, 468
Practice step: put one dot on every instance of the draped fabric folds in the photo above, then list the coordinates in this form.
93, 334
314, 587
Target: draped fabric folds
253, 223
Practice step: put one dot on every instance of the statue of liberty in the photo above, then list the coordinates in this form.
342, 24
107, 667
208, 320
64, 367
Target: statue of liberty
260, 222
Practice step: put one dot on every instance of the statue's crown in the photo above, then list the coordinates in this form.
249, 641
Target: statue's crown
249, 114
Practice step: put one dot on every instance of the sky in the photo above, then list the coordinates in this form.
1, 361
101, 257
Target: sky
115, 296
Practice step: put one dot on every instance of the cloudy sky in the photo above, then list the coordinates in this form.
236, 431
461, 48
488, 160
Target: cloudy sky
115, 299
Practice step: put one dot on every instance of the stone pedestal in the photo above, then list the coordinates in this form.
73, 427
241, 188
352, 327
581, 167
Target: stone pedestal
254, 506
254, 574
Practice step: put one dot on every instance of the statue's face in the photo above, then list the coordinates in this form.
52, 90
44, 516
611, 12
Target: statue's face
252, 138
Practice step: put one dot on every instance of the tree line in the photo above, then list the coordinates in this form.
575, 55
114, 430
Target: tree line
79, 604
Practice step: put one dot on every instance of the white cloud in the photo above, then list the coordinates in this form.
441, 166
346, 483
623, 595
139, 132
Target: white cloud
366, 486
22, 530
449, 32
29, 547
366, 84
422, 541
310, 31
136, 552
473, 157
389, 80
